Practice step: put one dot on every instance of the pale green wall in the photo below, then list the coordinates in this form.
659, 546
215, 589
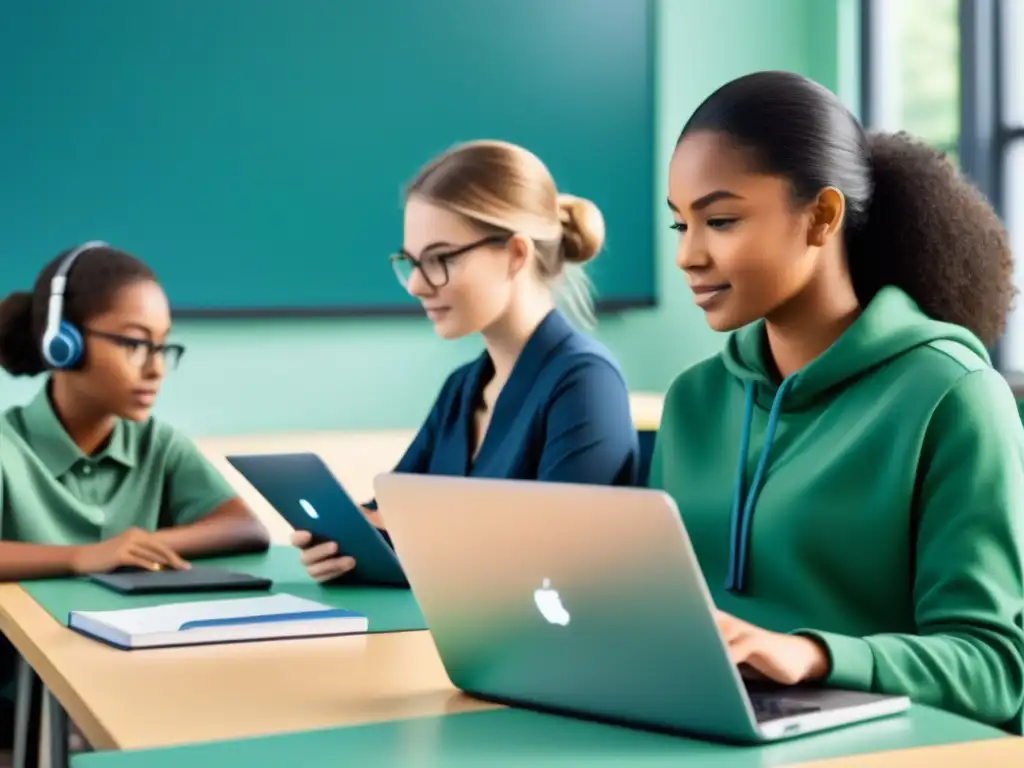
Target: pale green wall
249, 376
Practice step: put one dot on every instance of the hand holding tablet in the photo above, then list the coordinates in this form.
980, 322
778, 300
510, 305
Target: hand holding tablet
322, 557
337, 537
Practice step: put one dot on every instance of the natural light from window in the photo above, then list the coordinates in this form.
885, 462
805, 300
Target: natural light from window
915, 80
1013, 173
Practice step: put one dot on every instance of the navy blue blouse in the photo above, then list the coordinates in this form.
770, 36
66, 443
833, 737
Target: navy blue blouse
562, 416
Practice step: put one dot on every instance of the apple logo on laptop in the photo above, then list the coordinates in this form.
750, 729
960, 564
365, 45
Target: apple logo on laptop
309, 509
549, 603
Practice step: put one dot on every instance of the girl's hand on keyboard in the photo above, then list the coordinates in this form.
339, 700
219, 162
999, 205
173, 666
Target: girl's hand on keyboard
781, 658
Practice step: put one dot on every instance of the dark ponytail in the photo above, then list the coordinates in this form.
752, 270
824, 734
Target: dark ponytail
932, 233
20, 353
911, 219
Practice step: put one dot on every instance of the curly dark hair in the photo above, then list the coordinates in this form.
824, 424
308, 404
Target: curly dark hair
912, 219
96, 276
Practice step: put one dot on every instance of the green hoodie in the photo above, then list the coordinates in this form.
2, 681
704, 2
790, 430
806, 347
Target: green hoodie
877, 505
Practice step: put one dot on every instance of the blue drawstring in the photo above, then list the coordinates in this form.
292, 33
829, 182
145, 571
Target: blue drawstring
737, 494
743, 509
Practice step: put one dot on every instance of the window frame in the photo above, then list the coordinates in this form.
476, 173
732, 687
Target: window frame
985, 136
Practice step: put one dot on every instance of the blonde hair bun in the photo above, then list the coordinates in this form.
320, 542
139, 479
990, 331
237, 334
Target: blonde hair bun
500, 186
583, 229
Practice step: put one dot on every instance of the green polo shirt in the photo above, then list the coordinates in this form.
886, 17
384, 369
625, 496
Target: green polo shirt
148, 476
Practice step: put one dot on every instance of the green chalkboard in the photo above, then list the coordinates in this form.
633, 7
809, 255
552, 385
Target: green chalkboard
254, 151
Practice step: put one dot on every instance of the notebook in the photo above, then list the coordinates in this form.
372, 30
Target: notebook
217, 621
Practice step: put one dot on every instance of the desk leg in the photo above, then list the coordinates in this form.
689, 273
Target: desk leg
27, 717
58, 731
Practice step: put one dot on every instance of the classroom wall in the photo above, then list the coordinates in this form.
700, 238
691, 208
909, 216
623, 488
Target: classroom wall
245, 376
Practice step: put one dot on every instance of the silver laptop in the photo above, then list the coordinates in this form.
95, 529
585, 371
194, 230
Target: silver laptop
586, 600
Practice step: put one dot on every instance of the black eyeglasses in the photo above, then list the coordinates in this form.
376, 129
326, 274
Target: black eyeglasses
141, 351
434, 266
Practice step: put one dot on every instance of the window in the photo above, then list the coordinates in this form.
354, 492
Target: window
1012, 26
925, 64
912, 72
1012, 74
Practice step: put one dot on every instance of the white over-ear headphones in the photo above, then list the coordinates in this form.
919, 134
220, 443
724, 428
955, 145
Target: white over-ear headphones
62, 341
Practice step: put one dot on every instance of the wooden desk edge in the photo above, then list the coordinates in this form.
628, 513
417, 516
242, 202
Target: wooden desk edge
18, 609
646, 409
994, 751
87, 695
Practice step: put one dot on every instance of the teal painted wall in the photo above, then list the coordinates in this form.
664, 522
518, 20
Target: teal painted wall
189, 122
259, 376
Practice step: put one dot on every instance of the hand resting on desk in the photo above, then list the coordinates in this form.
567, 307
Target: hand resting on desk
135, 548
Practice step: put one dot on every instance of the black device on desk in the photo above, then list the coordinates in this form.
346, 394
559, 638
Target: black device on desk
306, 493
198, 578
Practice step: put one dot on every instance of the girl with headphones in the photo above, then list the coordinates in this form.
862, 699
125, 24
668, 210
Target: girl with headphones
89, 481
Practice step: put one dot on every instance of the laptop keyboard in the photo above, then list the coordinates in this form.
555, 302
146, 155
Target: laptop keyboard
775, 707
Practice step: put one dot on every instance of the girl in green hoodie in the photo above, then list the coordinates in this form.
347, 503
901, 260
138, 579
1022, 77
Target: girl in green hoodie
850, 468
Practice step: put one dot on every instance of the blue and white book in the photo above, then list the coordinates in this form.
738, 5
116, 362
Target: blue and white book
217, 621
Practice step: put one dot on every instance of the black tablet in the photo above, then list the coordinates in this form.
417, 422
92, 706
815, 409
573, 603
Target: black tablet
304, 491
198, 578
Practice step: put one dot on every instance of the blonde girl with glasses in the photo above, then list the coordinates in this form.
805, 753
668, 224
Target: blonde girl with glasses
490, 247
